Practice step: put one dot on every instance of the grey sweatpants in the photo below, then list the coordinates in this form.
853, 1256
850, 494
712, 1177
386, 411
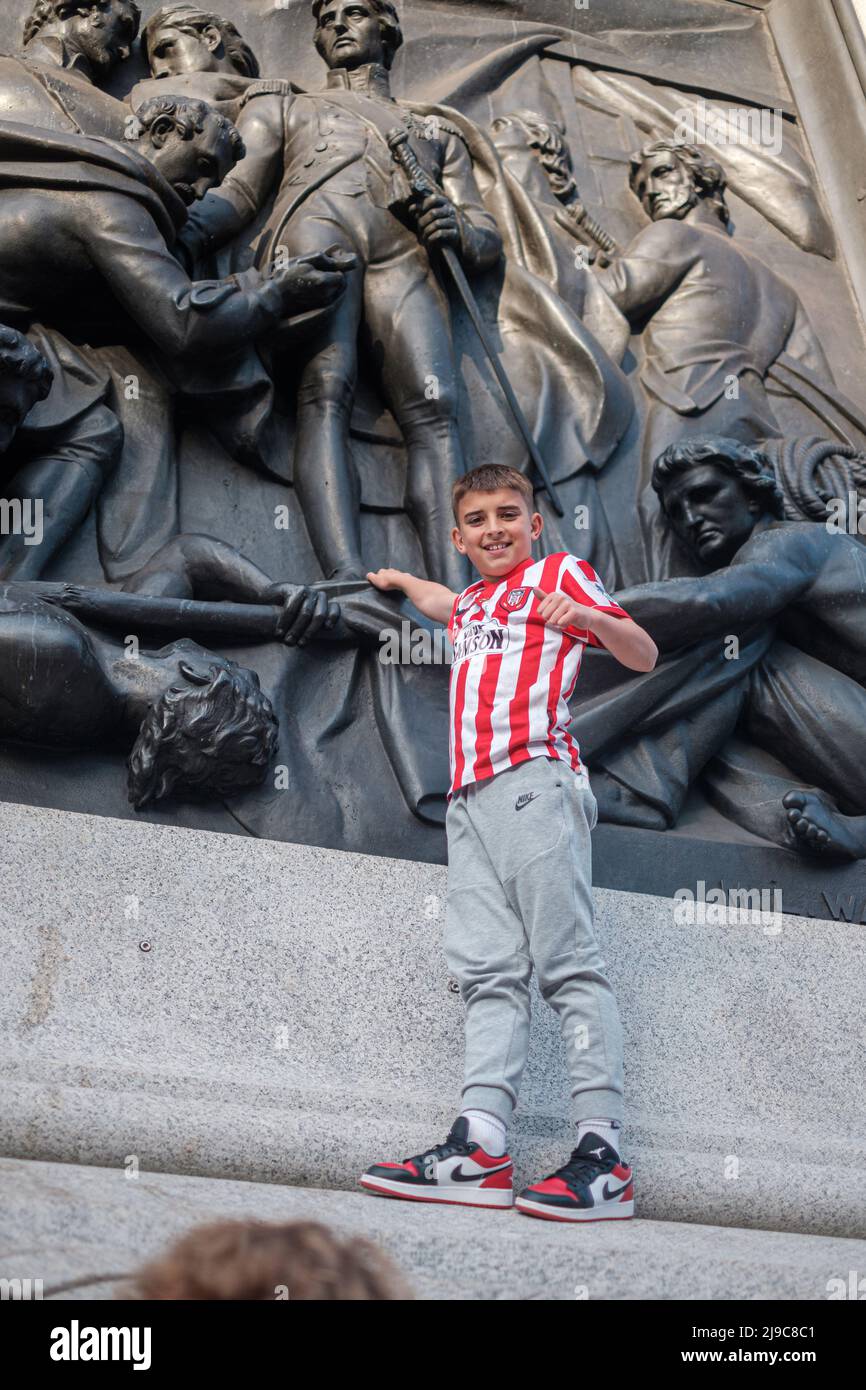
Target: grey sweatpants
520, 895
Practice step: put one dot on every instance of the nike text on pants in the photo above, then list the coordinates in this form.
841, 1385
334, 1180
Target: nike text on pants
520, 895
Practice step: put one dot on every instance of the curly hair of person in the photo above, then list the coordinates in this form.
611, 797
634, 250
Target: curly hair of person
47, 11
245, 1261
18, 357
215, 734
708, 174
189, 19
748, 465
389, 23
189, 116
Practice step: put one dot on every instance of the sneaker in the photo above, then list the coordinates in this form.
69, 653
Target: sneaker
457, 1172
594, 1185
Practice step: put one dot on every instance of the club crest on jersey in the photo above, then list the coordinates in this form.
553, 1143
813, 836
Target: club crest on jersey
514, 599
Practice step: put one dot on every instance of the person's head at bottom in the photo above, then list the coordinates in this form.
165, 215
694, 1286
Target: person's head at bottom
244, 1261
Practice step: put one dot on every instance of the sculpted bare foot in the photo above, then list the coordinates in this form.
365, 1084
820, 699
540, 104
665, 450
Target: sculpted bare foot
817, 827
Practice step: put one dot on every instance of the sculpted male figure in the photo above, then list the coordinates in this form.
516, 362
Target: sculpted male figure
336, 181
714, 317
69, 46
193, 52
89, 237
183, 39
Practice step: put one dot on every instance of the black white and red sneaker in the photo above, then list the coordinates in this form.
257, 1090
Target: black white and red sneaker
594, 1185
457, 1172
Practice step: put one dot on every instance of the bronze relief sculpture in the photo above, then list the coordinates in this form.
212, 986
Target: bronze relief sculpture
231, 348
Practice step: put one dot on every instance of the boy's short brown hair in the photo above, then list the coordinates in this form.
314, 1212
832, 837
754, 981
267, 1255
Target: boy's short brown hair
491, 478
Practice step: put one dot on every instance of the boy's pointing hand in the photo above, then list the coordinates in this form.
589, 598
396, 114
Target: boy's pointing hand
558, 610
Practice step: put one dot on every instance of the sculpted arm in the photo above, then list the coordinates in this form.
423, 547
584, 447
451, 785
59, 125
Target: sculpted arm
651, 268
226, 210
480, 242
183, 317
773, 570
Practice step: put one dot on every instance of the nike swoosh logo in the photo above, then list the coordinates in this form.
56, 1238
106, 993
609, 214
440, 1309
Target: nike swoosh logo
520, 805
459, 1176
609, 1196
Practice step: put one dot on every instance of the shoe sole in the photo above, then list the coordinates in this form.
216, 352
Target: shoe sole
621, 1211
495, 1198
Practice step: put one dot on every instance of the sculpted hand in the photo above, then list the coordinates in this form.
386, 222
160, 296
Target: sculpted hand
437, 221
311, 282
305, 612
191, 246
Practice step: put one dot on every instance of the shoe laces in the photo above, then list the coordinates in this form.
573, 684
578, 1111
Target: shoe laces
583, 1168
441, 1151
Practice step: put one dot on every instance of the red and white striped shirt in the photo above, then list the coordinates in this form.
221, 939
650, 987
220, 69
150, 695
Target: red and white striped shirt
512, 674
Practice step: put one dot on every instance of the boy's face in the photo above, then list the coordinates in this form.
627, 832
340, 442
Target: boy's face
496, 531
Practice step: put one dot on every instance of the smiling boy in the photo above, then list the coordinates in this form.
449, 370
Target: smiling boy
520, 814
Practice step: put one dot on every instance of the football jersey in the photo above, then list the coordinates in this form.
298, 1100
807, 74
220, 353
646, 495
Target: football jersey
512, 674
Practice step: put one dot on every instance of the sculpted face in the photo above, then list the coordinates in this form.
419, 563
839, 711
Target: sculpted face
711, 513
665, 187
102, 33
17, 399
173, 52
193, 167
349, 34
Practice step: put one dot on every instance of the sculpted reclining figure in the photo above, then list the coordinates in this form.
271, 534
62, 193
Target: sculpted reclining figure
777, 622
196, 722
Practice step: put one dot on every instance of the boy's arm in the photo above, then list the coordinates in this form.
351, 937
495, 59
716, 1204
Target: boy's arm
583, 606
622, 637
435, 601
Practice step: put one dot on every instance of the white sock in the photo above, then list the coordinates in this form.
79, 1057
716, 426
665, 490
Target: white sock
487, 1130
608, 1130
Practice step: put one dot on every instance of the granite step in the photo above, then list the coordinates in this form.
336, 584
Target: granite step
65, 1222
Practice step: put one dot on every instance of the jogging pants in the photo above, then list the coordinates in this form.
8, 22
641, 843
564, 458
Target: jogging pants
520, 895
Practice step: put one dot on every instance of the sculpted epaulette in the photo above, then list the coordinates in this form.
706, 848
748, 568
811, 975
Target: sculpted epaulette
268, 87
422, 126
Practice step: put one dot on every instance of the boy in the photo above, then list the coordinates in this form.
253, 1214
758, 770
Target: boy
519, 819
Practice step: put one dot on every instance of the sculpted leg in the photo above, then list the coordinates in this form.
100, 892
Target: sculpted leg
408, 320
65, 481
325, 479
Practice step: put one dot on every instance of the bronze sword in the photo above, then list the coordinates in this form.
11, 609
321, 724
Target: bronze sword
423, 186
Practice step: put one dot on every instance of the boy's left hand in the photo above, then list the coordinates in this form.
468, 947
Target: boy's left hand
560, 611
